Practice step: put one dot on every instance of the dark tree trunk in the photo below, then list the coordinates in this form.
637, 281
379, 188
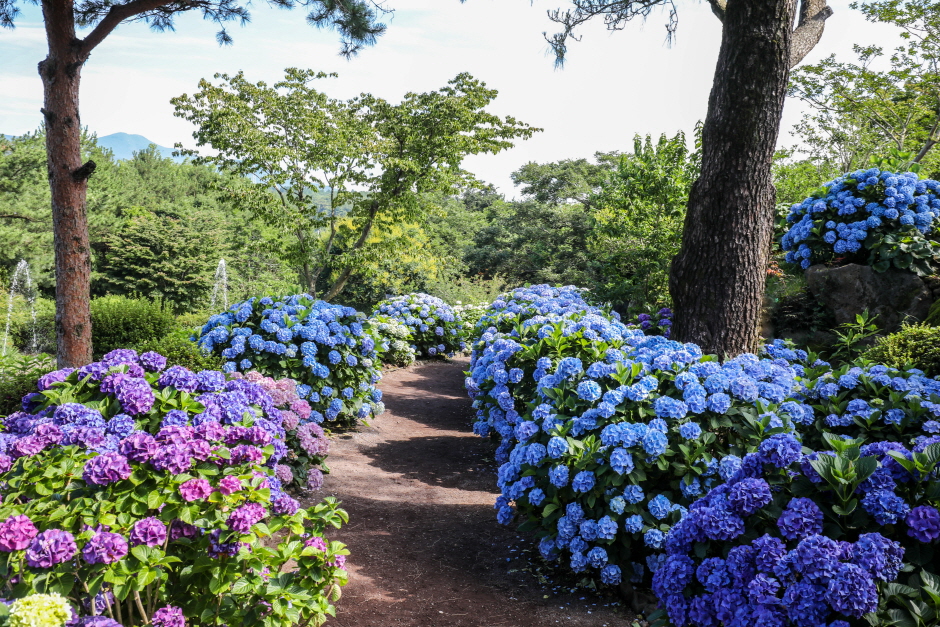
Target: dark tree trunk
61, 72
717, 279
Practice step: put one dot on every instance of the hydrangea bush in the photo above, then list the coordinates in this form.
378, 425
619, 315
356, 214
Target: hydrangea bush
611, 433
659, 323
436, 330
872, 217
396, 346
148, 495
810, 540
330, 350
304, 463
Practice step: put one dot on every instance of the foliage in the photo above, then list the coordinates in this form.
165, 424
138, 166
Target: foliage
18, 375
914, 346
328, 349
435, 328
396, 344
659, 323
171, 500
158, 256
307, 444
27, 335
638, 219
607, 434
471, 291
933, 316
891, 222
859, 110
117, 321
853, 337
374, 158
804, 540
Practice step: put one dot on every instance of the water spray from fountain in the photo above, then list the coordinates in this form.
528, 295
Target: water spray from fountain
23, 283
221, 284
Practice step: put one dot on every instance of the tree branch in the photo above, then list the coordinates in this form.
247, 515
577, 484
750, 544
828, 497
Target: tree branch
117, 14
15, 216
809, 30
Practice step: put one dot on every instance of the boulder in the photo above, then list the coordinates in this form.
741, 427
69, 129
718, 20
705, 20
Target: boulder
895, 295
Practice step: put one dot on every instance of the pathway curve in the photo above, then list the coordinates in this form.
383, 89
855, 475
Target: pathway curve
426, 547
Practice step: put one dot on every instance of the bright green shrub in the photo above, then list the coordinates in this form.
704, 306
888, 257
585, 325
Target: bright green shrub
119, 322
933, 317
914, 346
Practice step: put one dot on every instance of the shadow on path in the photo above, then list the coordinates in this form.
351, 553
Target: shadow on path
425, 546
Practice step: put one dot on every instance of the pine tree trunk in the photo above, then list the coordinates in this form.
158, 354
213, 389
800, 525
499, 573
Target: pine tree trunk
717, 279
61, 72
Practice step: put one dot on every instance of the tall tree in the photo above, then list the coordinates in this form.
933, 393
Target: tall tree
60, 71
374, 159
717, 279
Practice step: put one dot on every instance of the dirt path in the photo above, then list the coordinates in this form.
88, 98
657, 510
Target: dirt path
426, 548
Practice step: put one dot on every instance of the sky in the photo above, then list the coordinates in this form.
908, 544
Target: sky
613, 86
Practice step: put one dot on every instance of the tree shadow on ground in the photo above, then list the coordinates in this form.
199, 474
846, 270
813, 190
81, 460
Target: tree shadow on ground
445, 461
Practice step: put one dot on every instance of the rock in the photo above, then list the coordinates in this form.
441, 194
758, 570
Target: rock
895, 295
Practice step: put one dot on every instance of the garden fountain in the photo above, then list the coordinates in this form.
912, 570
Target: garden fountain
221, 283
22, 282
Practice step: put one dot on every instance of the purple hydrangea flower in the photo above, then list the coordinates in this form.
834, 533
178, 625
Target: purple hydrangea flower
168, 616
781, 450
749, 495
46, 381
106, 469
923, 523
244, 518
149, 532
153, 362
16, 532
879, 556
134, 395
230, 484
179, 529
801, 518
283, 505
195, 490
139, 447
105, 548
180, 378
51, 547
852, 591
314, 479
173, 458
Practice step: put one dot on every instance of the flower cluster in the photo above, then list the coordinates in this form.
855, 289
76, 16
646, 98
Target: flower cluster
307, 444
872, 217
396, 346
330, 350
436, 330
753, 550
659, 323
609, 434
163, 468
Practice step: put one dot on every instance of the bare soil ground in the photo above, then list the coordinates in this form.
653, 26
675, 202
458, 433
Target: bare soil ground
426, 548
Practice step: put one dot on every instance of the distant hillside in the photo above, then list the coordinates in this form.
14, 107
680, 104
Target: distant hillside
124, 145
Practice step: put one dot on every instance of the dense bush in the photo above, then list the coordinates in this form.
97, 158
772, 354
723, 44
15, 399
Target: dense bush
395, 342
118, 322
872, 217
659, 323
154, 490
328, 349
307, 444
18, 375
914, 346
435, 328
805, 540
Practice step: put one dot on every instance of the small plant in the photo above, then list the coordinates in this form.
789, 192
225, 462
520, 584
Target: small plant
435, 328
396, 345
914, 346
119, 322
18, 375
852, 337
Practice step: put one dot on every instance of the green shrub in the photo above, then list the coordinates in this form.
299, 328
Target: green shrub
18, 375
119, 322
914, 346
180, 351
21, 326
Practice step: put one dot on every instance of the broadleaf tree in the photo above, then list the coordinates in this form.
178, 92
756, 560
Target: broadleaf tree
357, 22
375, 160
717, 279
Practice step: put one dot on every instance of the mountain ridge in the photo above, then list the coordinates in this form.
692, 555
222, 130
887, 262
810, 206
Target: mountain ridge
124, 145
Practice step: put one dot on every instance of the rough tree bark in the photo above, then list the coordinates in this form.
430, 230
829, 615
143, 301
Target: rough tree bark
61, 72
717, 279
